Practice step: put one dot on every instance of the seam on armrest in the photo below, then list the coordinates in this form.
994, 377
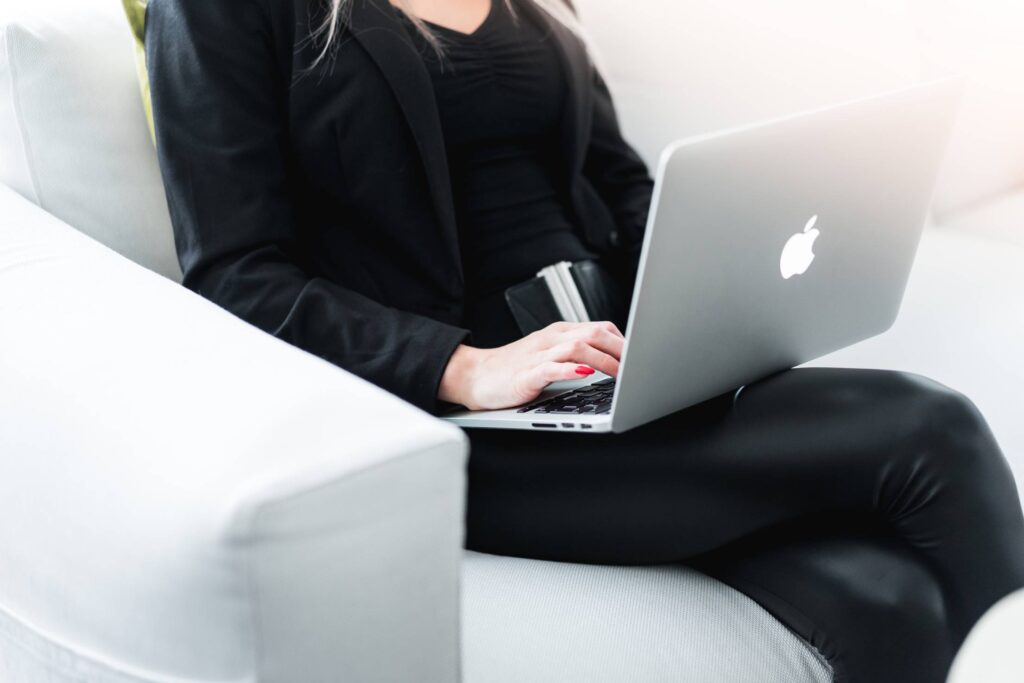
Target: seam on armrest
55, 654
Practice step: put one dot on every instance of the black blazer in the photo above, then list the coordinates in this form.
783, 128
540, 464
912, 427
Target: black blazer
316, 204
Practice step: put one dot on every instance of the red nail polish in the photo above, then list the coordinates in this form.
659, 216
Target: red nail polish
584, 370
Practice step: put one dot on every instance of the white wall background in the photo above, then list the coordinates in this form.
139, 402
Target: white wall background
681, 67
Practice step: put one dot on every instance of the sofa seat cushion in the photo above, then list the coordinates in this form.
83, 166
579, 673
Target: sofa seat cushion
552, 622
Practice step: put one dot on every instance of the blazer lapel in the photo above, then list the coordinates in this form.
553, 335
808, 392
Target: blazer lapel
374, 24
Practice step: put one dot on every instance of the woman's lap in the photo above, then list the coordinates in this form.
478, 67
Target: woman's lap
805, 442
895, 452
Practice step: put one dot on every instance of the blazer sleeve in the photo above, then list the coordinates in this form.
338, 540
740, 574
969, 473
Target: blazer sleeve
616, 170
220, 82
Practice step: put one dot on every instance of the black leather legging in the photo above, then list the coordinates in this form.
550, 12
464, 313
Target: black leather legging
871, 512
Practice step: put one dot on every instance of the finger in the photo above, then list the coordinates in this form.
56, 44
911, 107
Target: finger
598, 336
552, 371
606, 325
547, 337
612, 327
582, 353
558, 327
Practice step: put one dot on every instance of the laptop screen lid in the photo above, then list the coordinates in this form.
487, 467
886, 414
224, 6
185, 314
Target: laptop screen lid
771, 245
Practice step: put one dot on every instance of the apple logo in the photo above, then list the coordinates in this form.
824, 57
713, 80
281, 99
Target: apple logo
798, 253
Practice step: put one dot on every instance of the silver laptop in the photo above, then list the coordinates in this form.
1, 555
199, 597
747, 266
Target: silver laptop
766, 247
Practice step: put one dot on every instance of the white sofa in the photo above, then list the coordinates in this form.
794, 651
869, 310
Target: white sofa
164, 516
992, 651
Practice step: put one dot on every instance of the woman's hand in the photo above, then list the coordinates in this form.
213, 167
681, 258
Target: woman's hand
511, 375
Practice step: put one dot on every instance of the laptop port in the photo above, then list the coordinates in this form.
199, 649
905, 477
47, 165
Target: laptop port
585, 426
567, 425
544, 425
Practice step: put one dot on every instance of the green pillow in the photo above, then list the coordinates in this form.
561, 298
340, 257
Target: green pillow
136, 12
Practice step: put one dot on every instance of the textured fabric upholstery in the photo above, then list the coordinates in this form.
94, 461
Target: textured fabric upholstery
550, 622
183, 497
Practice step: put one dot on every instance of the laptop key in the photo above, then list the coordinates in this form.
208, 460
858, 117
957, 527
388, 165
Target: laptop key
589, 399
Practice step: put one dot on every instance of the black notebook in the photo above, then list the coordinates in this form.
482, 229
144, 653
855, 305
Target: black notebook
574, 292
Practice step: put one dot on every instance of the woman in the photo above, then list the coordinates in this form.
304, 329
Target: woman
364, 180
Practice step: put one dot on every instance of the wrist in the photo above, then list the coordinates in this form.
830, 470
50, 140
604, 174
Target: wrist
457, 380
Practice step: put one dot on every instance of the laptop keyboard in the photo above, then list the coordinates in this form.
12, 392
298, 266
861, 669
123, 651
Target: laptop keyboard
593, 399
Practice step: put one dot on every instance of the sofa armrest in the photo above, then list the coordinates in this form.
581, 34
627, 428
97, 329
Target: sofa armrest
991, 653
183, 496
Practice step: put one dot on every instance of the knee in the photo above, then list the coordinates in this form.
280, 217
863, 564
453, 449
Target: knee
940, 412
894, 615
905, 624
903, 603
867, 602
943, 426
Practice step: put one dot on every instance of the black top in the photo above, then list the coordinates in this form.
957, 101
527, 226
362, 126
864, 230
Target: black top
501, 94
312, 199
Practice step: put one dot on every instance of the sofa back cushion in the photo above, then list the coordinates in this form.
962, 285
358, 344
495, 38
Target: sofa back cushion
983, 41
685, 67
73, 135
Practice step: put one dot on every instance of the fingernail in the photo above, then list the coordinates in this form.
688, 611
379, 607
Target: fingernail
584, 370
